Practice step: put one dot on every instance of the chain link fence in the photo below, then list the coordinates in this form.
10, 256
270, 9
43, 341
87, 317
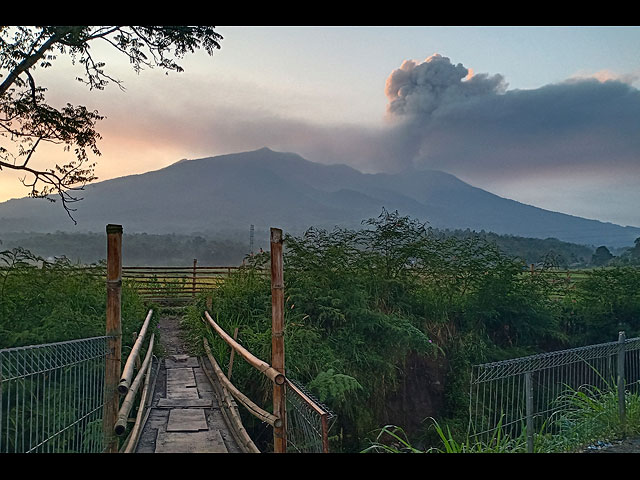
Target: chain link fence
52, 397
308, 421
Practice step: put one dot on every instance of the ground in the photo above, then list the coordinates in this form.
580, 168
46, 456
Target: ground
171, 336
629, 445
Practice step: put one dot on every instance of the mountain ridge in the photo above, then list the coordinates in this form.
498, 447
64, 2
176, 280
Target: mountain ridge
268, 188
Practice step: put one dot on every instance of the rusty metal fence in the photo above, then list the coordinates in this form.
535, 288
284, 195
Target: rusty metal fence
308, 421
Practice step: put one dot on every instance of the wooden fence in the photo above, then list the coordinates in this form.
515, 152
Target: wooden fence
175, 284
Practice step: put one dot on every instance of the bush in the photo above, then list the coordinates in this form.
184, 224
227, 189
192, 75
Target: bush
46, 302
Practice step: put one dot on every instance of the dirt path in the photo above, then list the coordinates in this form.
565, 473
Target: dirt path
171, 337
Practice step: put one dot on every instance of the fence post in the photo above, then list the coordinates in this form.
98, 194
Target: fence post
195, 261
277, 338
114, 332
529, 412
621, 378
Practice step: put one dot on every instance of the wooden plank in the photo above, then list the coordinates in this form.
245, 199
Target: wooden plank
209, 441
187, 420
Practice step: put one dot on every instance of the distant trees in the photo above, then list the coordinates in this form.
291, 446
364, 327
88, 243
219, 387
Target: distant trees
27, 120
601, 256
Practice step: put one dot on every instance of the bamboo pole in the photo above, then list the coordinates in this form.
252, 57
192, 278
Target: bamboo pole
127, 403
127, 372
277, 338
254, 361
230, 412
114, 334
135, 431
237, 394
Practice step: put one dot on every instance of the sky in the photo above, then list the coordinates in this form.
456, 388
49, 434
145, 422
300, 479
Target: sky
548, 116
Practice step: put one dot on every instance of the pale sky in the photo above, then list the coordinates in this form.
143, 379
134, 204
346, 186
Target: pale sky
548, 116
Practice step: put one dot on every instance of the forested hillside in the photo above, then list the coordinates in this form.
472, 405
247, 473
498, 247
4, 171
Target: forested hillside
174, 249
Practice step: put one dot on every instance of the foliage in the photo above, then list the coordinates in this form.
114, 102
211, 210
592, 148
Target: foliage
140, 248
27, 120
360, 303
45, 302
605, 302
601, 256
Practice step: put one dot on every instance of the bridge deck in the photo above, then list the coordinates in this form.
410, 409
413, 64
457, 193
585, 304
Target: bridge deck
185, 416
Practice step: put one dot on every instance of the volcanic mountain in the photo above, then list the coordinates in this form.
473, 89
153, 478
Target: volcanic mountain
266, 188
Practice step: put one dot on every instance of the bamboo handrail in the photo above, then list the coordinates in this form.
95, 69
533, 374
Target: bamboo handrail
275, 376
237, 394
127, 403
127, 371
231, 415
135, 431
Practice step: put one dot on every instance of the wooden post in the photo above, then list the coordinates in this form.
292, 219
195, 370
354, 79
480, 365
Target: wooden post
195, 261
114, 332
277, 339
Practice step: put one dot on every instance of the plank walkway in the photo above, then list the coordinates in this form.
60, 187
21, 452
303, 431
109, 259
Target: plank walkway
185, 416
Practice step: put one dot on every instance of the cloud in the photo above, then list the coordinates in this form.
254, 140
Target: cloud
423, 88
441, 116
446, 119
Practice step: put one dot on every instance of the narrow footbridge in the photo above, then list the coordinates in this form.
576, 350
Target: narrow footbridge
81, 396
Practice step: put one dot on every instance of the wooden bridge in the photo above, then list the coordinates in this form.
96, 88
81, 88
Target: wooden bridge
178, 403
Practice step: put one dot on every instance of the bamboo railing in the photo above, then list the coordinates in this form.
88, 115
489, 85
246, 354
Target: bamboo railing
129, 388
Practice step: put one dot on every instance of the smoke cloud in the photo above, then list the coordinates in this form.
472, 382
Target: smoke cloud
444, 117
423, 88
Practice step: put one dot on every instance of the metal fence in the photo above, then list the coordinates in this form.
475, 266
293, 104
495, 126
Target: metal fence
529, 395
52, 396
308, 421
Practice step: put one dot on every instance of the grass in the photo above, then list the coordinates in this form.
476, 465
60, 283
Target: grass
590, 415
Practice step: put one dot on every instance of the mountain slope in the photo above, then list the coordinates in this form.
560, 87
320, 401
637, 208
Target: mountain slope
267, 188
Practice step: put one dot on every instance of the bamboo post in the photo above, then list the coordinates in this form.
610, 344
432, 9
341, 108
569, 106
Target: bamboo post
621, 381
195, 261
277, 338
114, 334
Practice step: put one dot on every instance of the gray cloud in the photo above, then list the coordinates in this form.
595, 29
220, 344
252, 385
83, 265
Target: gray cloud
424, 88
475, 125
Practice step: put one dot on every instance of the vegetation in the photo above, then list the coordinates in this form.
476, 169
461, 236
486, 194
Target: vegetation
216, 249
377, 315
381, 324
45, 302
590, 416
138, 248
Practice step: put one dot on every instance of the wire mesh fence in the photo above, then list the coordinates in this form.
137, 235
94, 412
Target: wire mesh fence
52, 396
308, 421
515, 398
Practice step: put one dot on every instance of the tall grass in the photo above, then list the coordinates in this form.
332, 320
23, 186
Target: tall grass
47, 302
588, 415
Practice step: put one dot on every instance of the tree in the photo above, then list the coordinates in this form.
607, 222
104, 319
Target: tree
27, 121
601, 256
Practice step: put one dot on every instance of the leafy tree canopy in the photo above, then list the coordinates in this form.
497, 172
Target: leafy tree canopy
27, 121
